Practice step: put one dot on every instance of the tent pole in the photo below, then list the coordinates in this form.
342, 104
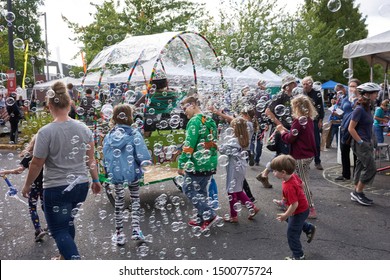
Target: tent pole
350, 66
372, 69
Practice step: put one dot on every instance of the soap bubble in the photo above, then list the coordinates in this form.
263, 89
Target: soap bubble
348, 73
280, 110
334, 5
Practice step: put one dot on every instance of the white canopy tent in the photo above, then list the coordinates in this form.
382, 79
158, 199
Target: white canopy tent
375, 49
272, 79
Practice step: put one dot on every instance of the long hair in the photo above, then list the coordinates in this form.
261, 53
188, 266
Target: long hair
240, 128
302, 105
364, 102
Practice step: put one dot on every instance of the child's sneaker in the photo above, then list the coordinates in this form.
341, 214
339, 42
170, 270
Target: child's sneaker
39, 234
311, 234
295, 259
280, 203
119, 238
137, 235
264, 181
207, 224
193, 223
252, 213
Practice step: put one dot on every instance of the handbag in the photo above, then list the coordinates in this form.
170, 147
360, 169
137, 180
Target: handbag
271, 143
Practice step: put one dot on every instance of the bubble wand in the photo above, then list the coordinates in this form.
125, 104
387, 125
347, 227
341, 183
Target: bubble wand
12, 190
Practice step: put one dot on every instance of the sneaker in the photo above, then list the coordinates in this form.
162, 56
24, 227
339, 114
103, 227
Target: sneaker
280, 203
319, 166
119, 239
39, 234
311, 234
295, 258
207, 224
137, 235
233, 220
251, 160
340, 178
193, 223
253, 213
264, 181
257, 164
361, 198
312, 213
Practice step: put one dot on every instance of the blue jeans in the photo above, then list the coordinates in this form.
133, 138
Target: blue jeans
60, 209
195, 188
334, 132
256, 146
297, 224
379, 133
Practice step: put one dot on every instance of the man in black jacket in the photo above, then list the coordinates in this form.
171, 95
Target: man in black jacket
316, 96
14, 117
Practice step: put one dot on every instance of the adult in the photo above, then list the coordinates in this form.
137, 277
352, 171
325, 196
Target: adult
66, 148
86, 104
380, 118
70, 91
3, 110
198, 161
15, 116
347, 105
360, 128
336, 116
316, 97
383, 94
279, 112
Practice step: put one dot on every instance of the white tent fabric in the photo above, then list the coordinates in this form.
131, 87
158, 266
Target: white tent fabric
375, 49
272, 79
252, 73
131, 49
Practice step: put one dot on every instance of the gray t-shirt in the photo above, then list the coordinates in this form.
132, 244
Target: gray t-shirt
64, 147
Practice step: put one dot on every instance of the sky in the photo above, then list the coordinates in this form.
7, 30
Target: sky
63, 49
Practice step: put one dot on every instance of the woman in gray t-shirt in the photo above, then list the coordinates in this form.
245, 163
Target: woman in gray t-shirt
65, 148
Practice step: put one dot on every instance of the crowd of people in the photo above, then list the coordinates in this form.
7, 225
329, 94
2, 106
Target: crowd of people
231, 133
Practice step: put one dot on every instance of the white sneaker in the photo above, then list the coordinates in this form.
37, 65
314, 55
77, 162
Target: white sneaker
137, 235
119, 239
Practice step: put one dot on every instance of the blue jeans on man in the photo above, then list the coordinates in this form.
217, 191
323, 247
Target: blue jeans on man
60, 209
195, 188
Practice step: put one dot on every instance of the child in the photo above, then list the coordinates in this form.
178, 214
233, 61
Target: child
124, 152
36, 190
302, 142
234, 147
283, 167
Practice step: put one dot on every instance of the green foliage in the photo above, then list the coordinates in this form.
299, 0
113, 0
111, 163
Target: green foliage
25, 28
32, 122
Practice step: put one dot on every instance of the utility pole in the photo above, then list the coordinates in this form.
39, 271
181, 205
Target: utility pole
10, 38
47, 49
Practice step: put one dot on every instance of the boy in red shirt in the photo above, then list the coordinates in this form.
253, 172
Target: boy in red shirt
297, 211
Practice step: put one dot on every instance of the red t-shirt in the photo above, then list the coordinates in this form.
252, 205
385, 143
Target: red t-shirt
293, 192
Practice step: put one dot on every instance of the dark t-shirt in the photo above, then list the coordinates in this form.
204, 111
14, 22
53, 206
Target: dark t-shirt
285, 100
364, 121
25, 162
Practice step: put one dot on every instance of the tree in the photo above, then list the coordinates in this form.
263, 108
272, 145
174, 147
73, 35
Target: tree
325, 33
138, 17
26, 29
241, 34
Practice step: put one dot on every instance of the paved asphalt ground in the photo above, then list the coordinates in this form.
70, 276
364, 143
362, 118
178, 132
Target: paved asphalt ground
345, 229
